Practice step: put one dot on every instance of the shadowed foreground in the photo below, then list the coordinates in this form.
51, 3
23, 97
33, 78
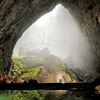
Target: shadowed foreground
85, 89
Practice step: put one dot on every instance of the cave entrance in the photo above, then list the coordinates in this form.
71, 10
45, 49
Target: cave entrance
52, 44
53, 50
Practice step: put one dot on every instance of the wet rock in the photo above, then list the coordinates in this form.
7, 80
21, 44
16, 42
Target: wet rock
85, 75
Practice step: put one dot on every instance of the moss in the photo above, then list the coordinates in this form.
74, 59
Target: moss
26, 95
18, 65
31, 72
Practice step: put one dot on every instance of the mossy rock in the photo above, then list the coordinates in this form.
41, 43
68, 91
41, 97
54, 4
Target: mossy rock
53, 64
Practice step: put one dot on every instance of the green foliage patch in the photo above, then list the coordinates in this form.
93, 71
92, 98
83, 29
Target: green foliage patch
18, 65
26, 95
5, 96
30, 72
23, 71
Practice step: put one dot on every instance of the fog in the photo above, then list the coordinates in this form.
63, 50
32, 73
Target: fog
60, 32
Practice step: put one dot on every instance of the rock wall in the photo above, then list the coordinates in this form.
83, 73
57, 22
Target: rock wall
15, 17
87, 13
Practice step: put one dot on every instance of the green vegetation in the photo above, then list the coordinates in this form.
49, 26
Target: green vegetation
51, 96
52, 64
40, 61
26, 95
23, 71
5, 96
30, 72
60, 65
74, 96
18, 65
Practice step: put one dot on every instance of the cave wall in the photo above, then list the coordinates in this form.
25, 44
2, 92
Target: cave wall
17, 15
87, 13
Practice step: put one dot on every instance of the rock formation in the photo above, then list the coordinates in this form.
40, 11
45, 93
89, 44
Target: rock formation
17, 15
23, 51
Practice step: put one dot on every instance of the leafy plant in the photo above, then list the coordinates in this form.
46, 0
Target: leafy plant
30, 72
18, 65
23, 71
26, 95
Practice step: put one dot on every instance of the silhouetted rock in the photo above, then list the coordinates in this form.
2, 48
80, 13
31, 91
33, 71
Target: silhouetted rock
23, 51
34, 53
32, 81
45, 52
39, 53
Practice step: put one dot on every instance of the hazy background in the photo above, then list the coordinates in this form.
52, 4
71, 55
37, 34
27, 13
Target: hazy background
58, 31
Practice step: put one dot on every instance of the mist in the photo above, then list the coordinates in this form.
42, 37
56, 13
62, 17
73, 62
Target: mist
61, 34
